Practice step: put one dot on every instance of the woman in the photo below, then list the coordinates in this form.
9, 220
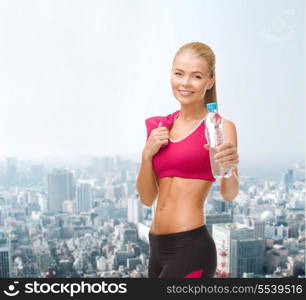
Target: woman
175, 168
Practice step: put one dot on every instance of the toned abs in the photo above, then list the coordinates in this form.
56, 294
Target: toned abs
180, 204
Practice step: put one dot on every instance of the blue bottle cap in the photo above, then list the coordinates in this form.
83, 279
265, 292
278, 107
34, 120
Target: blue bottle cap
211, 106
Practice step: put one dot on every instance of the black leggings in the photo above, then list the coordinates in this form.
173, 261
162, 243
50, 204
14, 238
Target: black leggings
185, 254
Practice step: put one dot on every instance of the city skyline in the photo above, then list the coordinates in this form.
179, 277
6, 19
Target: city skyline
90, 222
267, 171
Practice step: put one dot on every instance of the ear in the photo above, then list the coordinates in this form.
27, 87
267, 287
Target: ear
211, 83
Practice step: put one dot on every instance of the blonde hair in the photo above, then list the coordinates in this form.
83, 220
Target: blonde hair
204, 51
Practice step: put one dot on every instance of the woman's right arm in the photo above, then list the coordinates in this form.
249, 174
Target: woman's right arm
146, 182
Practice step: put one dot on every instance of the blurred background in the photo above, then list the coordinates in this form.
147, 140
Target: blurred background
77, 81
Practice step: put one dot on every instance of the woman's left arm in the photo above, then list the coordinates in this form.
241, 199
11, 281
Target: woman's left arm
227, 156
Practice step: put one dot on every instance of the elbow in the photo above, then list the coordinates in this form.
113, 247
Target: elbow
147, 202
228, 197
146, 197
229, 193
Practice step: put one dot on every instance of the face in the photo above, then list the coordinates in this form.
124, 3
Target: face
190, 78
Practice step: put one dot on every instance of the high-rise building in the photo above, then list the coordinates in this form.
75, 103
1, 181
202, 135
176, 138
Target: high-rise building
5, 256
217, 218
129, 187
43, 203
84, 197
128, 234
1, 217
60, 188
37, 175
258, 225
287, 180
135, 209
246, 256
221, 206
238, 250
69, 206
11, 172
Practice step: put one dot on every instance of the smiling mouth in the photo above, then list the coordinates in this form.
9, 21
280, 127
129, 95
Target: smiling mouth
185, 93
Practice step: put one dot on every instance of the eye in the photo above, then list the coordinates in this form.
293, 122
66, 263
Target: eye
197, 76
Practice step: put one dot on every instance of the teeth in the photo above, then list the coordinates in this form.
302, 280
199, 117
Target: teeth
185, 92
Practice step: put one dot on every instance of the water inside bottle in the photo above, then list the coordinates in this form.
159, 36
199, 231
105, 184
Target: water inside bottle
217, 170
215, 166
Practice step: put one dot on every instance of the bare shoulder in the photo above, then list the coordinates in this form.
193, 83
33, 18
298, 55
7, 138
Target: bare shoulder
229, 124
230, 129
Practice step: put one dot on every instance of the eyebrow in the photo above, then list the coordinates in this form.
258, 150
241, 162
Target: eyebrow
191, 72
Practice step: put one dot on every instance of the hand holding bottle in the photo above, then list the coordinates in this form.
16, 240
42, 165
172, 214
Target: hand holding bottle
226, 155
222, 155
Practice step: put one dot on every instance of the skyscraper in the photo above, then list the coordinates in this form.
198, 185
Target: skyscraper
287, 180
217, 218
238, 249
84, 197
11, 172
135, 209
246, 256
60, 188
258, 226
5, 256
37, 175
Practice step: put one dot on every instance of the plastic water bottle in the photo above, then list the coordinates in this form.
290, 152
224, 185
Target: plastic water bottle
215, 136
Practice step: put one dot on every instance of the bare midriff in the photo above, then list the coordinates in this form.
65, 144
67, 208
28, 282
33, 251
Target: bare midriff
180, 204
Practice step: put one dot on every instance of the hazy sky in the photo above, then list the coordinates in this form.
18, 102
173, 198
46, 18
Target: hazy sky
80, 77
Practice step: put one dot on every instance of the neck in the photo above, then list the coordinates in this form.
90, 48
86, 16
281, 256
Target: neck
195, 112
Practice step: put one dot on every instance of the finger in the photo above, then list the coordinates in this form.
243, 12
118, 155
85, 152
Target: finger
162, 128
159, 124
230, 164
160, 139
162, 133
163, 142
163, 136
232, 161
231, 151
227, 145
227, 158
223, 146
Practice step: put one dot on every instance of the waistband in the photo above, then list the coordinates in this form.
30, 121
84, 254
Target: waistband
179, 238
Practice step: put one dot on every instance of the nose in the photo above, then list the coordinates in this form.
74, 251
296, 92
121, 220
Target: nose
185, 81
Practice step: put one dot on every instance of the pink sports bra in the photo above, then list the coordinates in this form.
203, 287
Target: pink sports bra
185, 157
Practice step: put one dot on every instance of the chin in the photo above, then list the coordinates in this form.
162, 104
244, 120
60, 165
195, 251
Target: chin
184, 99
